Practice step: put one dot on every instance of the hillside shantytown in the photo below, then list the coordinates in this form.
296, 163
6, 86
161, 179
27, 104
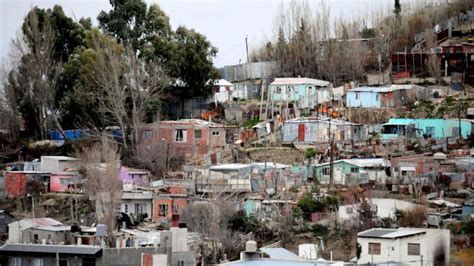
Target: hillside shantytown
338, 141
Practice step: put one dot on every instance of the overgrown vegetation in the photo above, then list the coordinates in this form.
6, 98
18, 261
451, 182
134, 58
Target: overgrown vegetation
306, 38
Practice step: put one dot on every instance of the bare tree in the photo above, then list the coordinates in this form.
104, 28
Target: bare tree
210, 219
38, 76
433, 57
126, 85
102, 165
144, 83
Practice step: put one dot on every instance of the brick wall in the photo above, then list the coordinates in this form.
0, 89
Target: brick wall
15, 184
180, 203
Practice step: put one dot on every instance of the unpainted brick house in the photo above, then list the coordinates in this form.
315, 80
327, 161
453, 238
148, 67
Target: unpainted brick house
191, 138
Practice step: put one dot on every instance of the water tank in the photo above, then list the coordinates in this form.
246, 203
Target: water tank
251, 246
101, 230
308, 251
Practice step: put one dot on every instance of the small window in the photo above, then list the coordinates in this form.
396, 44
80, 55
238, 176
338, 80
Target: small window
325, 171
278, 90
180, 135
430, 131
163, 210
354, 170
374, 248
146, 134
413, 249
215, 133
357, 95
349, 210
125, 207
377, 97
197, 134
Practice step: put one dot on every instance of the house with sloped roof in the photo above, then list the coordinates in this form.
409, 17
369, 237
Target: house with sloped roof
304, 92
354, 171
386, 96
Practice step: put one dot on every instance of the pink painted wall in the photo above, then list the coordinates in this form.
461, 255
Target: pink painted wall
59, 182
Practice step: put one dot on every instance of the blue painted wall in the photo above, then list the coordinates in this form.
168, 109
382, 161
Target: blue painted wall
438, 127
363, 99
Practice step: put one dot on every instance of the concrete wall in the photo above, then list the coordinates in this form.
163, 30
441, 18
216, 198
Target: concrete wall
47, 260
129, 206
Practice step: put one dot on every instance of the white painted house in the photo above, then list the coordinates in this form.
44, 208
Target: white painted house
409, 246
222, 90
135, 203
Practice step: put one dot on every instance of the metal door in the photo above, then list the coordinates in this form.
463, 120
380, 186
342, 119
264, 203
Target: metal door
301, 132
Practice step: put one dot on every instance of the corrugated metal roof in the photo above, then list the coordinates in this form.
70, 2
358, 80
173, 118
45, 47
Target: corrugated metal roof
30, 222
389, 233
222, 82
60, 158
385, 88
275, 262
298, 81
369, 162
230, 166
321, 120
280, 254
50, 249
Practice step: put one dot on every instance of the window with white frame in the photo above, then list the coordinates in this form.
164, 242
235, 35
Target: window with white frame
377, 97
278, 90
125, 208
325, 171
180, 135
354, 170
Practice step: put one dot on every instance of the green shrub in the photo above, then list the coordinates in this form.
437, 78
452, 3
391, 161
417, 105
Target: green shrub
310, 153
319, 230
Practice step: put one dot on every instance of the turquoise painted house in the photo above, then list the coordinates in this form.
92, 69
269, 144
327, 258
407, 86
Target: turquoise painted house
437, 128
353, 171
305, 92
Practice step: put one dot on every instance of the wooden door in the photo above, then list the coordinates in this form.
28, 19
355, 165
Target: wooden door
301, 132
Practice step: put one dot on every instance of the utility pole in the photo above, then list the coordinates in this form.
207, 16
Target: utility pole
331, 150
247, 47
